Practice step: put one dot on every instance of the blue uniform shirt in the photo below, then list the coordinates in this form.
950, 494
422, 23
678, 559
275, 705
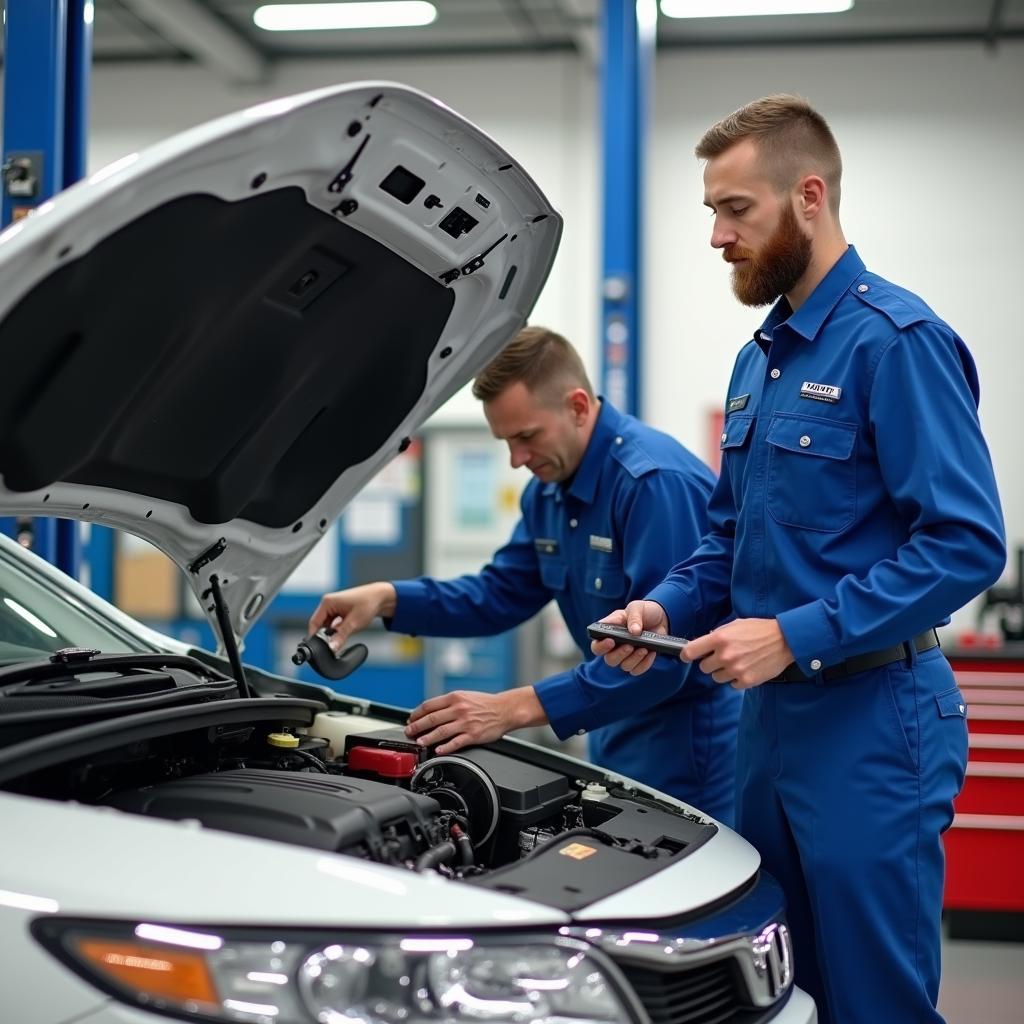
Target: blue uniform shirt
857, 503
636, 505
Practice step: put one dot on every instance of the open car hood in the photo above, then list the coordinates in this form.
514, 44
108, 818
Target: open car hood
215, 343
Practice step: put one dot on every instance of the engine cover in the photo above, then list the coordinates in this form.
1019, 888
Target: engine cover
325, 812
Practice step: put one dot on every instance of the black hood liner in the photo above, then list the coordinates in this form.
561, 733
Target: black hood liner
190, 357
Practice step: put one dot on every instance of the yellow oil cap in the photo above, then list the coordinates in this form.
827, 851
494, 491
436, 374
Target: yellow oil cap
282, 739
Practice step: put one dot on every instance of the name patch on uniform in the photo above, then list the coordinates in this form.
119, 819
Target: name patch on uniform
600, 543
547, 545
737, 403
820, 392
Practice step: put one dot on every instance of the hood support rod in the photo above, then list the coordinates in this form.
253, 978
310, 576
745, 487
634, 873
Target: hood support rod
227, 635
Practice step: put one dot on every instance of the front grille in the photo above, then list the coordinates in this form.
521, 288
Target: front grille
710, 993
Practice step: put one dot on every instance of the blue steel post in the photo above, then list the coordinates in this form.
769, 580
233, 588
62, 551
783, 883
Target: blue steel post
78, 64
628, 35
47, 49
76, 88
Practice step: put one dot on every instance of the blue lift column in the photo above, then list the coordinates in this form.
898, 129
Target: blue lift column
47, 54
627, 44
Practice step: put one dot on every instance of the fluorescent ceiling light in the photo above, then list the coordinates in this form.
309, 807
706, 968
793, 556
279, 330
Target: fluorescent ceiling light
325, 17
646, 15
749, 8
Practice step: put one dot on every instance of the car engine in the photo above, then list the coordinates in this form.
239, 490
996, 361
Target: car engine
516, 819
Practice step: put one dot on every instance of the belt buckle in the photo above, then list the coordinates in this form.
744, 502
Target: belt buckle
909, 652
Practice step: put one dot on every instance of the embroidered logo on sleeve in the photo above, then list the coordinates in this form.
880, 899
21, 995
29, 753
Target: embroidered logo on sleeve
737, 403
820, 392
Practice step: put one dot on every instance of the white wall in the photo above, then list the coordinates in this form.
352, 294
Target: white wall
933, 145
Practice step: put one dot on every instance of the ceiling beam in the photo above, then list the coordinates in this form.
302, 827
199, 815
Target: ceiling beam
995, 24
582, 17
191, 26
901, 38
516, 10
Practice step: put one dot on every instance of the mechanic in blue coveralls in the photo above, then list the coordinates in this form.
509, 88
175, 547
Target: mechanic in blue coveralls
612, 504
856, 510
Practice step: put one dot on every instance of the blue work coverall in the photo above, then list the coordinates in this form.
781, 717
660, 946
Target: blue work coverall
857, 506
636, 505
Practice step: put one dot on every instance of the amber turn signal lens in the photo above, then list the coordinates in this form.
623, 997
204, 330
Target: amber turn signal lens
151, 970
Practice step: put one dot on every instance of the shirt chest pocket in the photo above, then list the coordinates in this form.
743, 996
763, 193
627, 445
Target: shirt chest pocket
812, 472
605, 576
554, 570
734, 447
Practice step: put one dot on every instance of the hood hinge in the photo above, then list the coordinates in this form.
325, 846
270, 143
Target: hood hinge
213, 552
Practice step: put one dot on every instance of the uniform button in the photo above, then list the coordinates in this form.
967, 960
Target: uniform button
805, 441
574, 523
597, 583
550, 549
815, 665
618, 440
776, 373
725, 437
862, 288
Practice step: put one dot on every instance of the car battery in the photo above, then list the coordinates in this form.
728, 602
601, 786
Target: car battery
386, 755
394, 766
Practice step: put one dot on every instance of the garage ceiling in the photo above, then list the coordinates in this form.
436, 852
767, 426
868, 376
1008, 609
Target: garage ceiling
221, 32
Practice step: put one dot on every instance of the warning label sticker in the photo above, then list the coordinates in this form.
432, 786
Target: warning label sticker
578, 851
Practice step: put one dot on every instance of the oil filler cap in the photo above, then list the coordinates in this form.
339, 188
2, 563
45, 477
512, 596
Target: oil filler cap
282, 739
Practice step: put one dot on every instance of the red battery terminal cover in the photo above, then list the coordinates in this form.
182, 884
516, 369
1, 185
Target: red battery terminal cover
391, 764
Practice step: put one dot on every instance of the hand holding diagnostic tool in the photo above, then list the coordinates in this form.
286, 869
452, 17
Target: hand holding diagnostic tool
660, 643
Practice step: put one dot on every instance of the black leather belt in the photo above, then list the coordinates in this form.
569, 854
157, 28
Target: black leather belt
873, 659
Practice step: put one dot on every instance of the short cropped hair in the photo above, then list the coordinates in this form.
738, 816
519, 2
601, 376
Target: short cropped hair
792, 138
538, 358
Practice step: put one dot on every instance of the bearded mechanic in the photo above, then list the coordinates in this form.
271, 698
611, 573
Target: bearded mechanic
613, 502
856, 510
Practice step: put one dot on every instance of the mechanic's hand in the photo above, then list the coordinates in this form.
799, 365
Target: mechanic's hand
743, 653
465, 718
349, 611
637, 616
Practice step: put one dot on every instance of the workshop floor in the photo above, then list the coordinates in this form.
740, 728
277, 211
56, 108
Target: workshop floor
982, 982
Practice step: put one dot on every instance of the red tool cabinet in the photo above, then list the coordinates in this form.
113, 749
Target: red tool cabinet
985, 845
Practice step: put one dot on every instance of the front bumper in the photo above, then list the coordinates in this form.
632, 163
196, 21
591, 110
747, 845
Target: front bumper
733, 964
798, 1010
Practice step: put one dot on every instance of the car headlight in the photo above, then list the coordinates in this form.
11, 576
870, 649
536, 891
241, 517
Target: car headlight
364, 979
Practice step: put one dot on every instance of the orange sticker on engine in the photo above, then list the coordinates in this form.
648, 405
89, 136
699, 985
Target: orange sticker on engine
578, 851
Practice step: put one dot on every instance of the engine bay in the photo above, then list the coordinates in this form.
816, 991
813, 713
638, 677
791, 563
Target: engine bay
292, 771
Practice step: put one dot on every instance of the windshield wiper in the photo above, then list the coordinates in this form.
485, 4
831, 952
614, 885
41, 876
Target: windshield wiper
80, 669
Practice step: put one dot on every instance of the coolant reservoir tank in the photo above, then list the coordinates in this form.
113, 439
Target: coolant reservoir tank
336, 726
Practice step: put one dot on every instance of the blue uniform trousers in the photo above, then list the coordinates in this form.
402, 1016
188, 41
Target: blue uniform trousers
864, 887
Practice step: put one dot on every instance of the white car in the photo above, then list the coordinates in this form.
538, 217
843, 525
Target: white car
214, 345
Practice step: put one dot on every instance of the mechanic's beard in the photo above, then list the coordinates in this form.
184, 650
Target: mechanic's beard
777, 268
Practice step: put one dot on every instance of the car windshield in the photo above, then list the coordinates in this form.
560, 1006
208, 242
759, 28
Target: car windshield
38, 618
